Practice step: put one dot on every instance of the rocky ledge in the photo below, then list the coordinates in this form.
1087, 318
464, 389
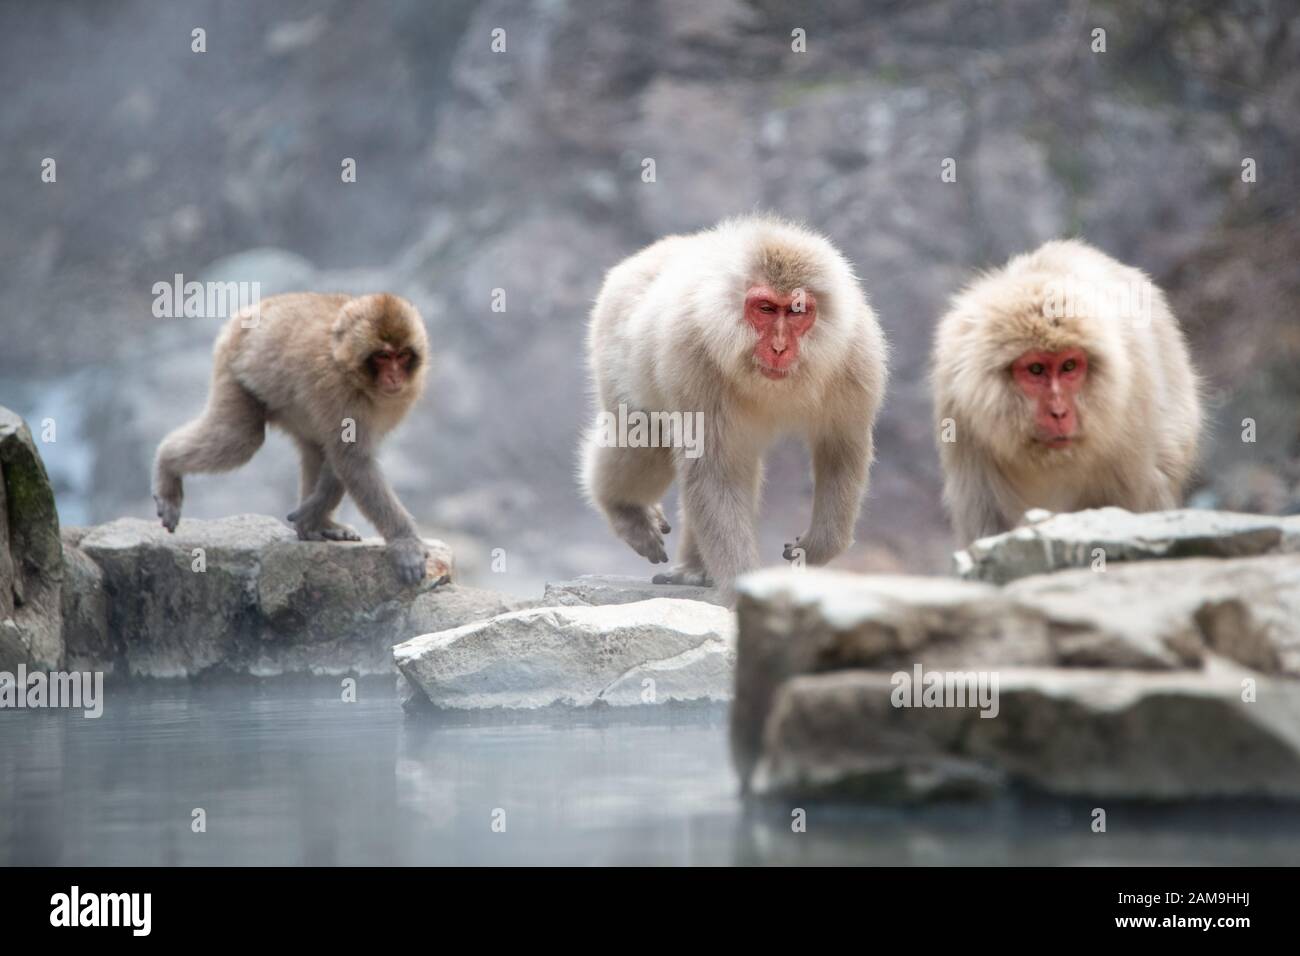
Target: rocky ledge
1150, 679
242, 595
1091, 539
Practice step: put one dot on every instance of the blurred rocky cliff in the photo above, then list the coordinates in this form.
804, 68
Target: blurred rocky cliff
521, 171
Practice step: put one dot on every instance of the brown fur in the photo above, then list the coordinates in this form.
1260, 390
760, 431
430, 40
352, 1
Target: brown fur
301, 364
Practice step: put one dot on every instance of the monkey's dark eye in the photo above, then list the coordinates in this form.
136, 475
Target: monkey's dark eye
766, 307
1037, 368
1069, 366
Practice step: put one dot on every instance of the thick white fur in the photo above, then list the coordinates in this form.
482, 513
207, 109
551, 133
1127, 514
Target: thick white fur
667, 334
1139, 411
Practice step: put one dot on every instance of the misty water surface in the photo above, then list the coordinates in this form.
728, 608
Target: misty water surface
290, 774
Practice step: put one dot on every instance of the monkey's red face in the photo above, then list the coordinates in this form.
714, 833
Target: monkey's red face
1052, 380
780, 320
391, 369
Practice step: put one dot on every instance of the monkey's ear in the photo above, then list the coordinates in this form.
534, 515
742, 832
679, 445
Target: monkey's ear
341, 323
346, 333
349, 312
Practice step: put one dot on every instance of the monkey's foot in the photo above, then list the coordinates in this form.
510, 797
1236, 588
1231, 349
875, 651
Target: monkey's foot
643, 527
326, 531
311, 525
408, 556
337, 531
806, 550
684, 574
169, 512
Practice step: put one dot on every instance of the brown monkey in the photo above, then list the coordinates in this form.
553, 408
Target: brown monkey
1062, 381
337, 373
750, 329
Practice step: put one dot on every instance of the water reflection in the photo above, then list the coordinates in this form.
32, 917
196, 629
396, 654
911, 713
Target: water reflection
291, 774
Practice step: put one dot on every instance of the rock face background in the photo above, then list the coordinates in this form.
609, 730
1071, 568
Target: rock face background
521, 171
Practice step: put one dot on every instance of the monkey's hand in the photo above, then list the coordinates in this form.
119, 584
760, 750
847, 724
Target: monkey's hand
643, 527
169, 511
684, 574
408, 556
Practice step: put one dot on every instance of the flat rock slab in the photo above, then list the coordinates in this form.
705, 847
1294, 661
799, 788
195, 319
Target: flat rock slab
243, 534
597, 589
1080, 733
243, 595
1080, 539
648, 652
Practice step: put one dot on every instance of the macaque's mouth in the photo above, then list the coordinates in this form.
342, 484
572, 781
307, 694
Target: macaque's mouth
776, 374
1058, 441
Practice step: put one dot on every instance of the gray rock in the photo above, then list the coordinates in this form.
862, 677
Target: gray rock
793, 622
620, 589
243, 595
647, 652
170, 618
1079, 733
31, 554
836, 735
453, 605
336, 607
1180, 617
86, 639
1171, 614
71, 535
1080, 539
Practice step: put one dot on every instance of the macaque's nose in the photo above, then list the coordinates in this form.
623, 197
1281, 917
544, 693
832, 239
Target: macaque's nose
778, 337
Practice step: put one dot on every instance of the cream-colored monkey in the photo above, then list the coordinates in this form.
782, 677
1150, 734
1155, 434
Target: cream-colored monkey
1062, 381
760, 327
